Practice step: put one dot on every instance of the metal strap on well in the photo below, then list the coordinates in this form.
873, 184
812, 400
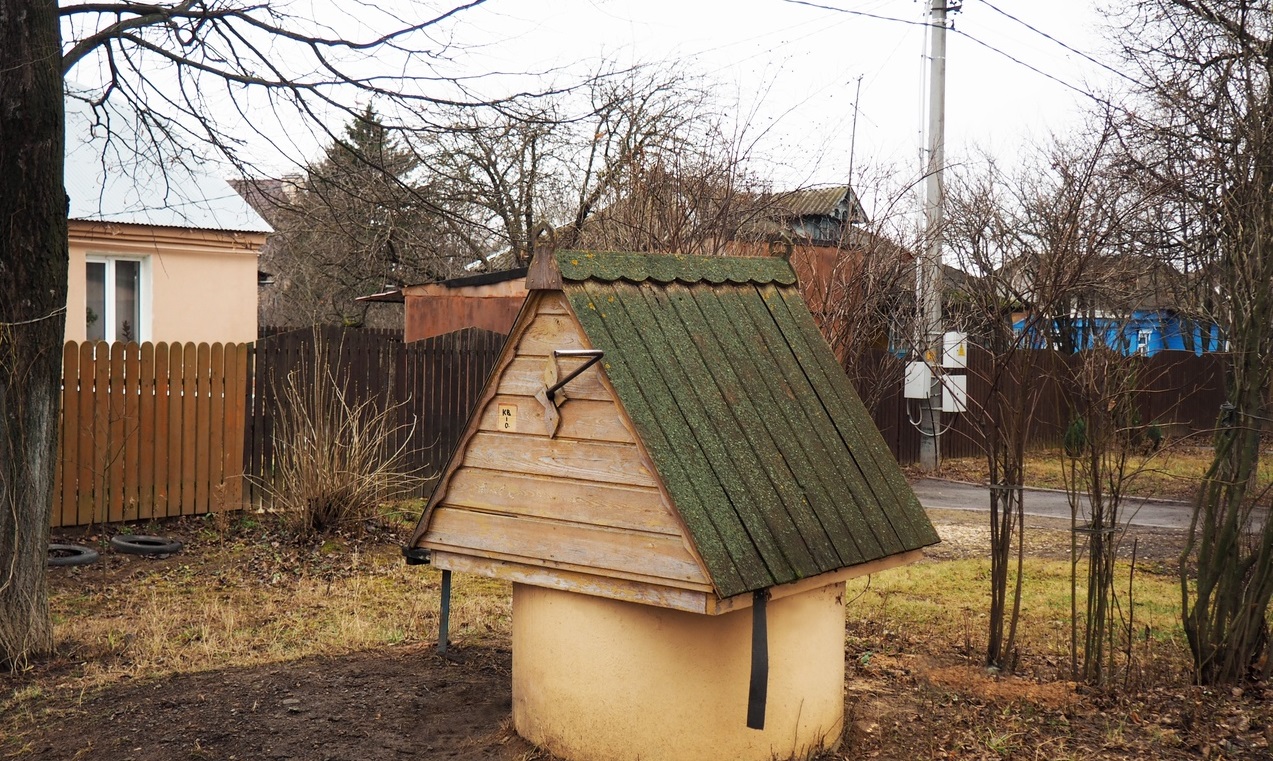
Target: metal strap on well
758, 692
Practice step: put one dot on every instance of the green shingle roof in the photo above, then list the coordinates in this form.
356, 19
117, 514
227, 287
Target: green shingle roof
768, 454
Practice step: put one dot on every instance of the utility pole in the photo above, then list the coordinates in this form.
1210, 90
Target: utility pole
928, 285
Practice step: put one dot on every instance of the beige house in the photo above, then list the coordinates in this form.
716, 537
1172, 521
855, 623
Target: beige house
159, 250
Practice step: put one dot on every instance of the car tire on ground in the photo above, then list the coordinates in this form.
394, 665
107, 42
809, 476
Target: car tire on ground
139, 544
71, 554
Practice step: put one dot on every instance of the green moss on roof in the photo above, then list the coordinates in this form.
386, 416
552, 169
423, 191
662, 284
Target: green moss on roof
767, 452
668, 268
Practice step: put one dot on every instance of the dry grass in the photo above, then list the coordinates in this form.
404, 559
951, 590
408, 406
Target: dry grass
245, 605
334, 466
248, 602
247, 596
1172, 473
943, 605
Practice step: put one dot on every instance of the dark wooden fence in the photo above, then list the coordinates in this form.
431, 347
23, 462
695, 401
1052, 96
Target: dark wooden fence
152, 431
1179, 391
432, 386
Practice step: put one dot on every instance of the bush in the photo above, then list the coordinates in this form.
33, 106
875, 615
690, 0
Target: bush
333, 464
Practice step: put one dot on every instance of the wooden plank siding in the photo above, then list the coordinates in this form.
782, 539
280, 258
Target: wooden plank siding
580, 504
135, 421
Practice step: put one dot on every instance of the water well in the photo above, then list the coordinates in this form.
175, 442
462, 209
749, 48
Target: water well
677, 477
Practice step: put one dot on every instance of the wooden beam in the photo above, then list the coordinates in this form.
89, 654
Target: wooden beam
569, 581
716, 605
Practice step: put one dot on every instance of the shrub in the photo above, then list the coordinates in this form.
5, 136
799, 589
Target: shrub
334, 465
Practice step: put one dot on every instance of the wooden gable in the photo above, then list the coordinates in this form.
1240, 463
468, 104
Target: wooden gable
717, 449
581, 509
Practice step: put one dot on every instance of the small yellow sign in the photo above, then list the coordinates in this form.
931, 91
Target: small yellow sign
508, 418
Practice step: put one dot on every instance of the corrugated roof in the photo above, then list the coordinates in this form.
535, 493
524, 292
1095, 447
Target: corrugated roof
821, 202
768, 454
123, 180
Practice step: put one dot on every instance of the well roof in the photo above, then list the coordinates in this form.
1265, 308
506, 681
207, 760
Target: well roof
768, 454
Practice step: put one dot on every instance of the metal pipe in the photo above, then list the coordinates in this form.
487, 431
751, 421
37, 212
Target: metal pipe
444, 617
593, 355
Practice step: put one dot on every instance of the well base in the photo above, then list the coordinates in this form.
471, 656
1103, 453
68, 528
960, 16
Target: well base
596, 679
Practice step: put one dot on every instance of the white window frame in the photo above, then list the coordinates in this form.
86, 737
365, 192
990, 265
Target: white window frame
1143, 337
144, 297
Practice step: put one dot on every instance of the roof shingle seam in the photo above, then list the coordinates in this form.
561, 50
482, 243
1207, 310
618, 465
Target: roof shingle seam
804, 448
767, 532
710, 533
777, 429
740, 457
822, 424
911, 526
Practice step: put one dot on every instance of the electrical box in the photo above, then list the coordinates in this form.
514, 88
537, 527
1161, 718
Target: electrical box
919, 380
954, 393
954, 349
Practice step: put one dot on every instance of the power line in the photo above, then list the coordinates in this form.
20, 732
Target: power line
1047, 36
1103, 101
864, 14
1035, 69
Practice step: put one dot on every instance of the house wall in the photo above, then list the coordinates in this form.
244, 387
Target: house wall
434, 309
583, 501
607, 680
1165, 330
197, 285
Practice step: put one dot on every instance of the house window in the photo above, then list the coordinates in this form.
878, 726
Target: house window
116, 303
1142, 341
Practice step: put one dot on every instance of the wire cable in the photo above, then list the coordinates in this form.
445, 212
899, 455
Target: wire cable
1103, 101
864, 14
910, 22
1074, 50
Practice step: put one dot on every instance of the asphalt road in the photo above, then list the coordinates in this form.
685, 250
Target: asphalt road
1045, 503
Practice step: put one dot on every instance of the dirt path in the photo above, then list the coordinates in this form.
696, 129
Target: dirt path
395, 703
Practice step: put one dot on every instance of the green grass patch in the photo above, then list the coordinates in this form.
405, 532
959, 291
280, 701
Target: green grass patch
1173, 472
946, 603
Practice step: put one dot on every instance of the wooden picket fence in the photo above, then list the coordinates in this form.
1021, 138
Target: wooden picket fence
149, 431
159, 430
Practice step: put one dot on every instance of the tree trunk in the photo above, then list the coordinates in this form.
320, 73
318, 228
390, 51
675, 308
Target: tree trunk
33, 271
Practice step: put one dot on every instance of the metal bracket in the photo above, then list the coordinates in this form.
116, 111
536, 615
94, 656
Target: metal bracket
553, 394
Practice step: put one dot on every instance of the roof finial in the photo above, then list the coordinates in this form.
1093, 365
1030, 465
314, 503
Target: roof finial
543, 274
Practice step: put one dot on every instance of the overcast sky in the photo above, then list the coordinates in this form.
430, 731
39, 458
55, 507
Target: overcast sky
799, 66
791, 71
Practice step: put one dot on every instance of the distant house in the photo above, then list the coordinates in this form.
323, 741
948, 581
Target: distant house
818, 230
160, 250
1131, 304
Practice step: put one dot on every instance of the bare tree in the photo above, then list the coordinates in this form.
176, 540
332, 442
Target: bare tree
633, 160
365, 218
1204, 140
1027, 243
174, 67
33, 256
865, 303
